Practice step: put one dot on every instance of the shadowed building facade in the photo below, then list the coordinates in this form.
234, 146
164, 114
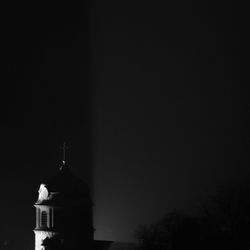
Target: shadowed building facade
64, 218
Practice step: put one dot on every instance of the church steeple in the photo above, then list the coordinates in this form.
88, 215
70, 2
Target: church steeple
63, 212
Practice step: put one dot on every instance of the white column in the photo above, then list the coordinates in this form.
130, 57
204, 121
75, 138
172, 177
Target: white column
37, 218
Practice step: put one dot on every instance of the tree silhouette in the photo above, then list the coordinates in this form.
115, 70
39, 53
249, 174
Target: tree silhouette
176, 230
223, 224
227, 215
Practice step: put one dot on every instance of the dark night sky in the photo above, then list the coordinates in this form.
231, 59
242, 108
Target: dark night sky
152, 99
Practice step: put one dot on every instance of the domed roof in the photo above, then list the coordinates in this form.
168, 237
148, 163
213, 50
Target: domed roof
65, 181
63, 187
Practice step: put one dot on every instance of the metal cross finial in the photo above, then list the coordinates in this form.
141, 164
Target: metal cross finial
64, 148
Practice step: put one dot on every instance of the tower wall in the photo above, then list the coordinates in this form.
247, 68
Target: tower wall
40, 236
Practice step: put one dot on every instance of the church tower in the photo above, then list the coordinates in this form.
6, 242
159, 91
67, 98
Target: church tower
63, 213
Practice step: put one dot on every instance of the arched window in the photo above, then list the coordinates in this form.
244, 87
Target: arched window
44, 219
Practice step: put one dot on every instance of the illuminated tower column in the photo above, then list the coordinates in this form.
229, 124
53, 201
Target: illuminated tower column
44, 219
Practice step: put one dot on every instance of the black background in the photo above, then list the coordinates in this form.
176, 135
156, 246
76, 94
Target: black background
151, 97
